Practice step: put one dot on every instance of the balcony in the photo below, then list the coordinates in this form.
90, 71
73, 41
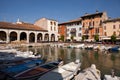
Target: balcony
73, 31
90, 27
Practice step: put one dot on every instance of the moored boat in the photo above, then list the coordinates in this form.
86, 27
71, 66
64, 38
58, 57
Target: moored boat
116, 48
89, 74
109, 77
65, 72
37, 71
11, 71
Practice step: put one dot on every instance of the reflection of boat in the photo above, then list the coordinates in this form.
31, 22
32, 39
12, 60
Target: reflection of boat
33, 73
89, 74
65, 72
7, 49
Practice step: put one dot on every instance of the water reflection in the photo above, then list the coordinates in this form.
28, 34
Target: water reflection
104, 61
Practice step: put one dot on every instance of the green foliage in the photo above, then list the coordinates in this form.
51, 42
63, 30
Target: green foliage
96, 37
113, 38
72, 38
61, 38
83, 38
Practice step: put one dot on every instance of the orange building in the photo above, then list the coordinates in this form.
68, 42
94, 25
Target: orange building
92, 25
62, 31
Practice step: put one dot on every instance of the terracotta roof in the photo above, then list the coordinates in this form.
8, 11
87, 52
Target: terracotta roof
112, 20
89, 15
71, 21
23, 26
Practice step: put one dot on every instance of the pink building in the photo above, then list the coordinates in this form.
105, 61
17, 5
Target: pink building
110, 27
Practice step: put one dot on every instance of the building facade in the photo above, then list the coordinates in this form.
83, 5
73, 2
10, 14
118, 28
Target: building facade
73, 29
111, 27
51, 26
21, 32
92, 25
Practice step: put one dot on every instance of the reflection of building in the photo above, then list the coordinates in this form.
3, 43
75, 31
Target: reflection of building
110, 27
92, 24
73, 28
26, 32
51, 26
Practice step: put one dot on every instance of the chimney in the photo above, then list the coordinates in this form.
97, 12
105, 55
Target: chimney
97, 11
18, 21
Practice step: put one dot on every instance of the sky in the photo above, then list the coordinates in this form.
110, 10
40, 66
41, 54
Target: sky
60, 10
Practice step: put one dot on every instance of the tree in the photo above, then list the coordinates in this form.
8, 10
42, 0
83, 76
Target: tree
96, 37
83, 37
72, 37
62, 37
113, 38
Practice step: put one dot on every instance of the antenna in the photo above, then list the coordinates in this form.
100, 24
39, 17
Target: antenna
18, 21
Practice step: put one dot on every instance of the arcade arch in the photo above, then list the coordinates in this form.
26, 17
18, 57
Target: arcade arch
13, 36
31, 37
46, 37
3, 35
52, 37
23, 36
39, 37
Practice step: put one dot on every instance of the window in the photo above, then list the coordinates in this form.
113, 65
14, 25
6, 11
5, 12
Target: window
78, 23
100, 22
83, 24
97, 30
105, 34
55, 23
79, 29
104, 27
54, 28
51, 28
93, 23
89, 23
67, 29
113, 26
67, 35
51, 23
79, 34
114, 33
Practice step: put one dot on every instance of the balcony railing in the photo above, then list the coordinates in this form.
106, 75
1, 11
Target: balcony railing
91, 27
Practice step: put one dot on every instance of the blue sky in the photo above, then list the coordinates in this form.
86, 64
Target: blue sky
60, 10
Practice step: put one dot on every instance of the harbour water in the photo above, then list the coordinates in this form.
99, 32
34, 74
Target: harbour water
105, 62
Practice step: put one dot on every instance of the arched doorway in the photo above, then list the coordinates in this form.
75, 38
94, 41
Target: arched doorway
3, 35
39, 37
52, 37
23, 36
46, 37
13, 36
32, 37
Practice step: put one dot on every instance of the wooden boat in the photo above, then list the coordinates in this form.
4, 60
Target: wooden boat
11, 71
65, 72
89, 74
37, 71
